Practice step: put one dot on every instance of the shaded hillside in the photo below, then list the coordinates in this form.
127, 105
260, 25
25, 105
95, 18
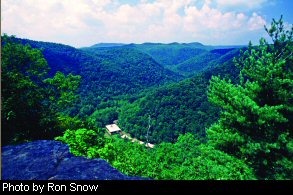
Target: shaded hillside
60, 57
186, 59
165, 54
170, 54
206, 60
195, 64
175, 53
175, 109
111, 73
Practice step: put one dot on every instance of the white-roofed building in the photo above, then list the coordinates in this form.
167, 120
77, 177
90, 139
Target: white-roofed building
113, 129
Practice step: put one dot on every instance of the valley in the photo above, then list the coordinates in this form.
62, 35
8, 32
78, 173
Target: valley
210, 112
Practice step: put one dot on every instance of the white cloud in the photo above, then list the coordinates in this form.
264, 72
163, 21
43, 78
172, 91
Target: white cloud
86, 22
241, 3
256, 22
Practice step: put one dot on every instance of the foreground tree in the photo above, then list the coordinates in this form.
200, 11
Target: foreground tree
22, 71
62, 97
256, 121
31, 103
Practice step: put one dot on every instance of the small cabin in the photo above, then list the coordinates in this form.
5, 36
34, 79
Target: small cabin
113, 129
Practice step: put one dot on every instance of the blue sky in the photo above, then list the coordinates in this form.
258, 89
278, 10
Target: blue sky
86, 22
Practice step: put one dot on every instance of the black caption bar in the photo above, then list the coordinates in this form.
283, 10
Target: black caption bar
41, 187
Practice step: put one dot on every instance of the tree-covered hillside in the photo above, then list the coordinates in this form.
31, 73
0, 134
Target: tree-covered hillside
107, 74
205, 61
252, 138
60, 57
170, 54
186, 59
176, 108
232, 120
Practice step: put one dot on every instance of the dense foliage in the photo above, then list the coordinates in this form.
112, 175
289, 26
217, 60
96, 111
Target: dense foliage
175, 109
170, 54
252, 139
105, 74
246, 134
206, 61
130, 70
256, 122
196, 64
184, 160
83, 142
27, 101
186, 59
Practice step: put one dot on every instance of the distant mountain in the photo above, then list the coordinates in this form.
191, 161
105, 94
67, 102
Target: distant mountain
227, 46
204, 61
170, 54
110, 72
186, 59
102, 45
132, 82
151, 44
105, 75
165, 54
195, 44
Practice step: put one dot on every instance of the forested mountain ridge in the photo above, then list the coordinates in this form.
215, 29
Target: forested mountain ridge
176, 108
252, 139
99, 45
186, 101
112, 77
230, 121
110, 73
170, 54
206, 61
60, 57
186, 59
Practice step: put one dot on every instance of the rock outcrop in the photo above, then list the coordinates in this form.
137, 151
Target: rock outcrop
51, 160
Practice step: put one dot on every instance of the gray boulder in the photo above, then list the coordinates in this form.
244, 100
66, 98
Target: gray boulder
51, 160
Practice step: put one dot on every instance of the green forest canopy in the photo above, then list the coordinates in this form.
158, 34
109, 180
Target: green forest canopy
250, 136
253, 137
